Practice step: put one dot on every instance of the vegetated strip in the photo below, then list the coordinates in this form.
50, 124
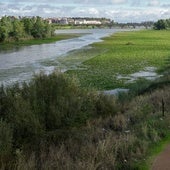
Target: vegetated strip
58, 37
122, 54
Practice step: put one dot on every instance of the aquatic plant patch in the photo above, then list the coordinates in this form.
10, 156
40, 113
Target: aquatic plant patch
123, 53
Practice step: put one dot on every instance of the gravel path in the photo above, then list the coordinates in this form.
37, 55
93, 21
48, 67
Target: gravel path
162, 161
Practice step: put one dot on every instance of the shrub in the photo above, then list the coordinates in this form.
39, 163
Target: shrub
5, 144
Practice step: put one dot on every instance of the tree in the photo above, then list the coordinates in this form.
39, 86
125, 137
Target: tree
28, 25
49, 31
38, 28
15, 29
160, 25
5, 28
18, 30
3, 33
168, 23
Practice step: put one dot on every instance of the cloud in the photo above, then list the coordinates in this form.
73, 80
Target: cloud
165, 6
118, 10
137, 15
93, 11
90, 2
86, 12
119, 1
154, 3
136, 3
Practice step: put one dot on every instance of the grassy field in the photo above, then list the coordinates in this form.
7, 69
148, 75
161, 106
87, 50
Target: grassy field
121, 54
10, 45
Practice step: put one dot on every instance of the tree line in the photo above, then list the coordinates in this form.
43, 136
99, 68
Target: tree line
13, 29
162, 24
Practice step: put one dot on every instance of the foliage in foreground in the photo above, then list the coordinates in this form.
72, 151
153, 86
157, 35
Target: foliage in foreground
52, 123
46, 109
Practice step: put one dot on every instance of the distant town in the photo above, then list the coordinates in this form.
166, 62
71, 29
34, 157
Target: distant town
79, 21
72, 21
86, 21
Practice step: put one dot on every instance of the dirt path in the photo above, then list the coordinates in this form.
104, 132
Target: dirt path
162, 161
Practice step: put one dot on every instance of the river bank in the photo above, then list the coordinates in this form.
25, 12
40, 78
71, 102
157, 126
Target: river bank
59, 37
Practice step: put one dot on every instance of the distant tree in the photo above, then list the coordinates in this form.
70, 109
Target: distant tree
28, 25
38, 28
160, 25
18, 30
12, 29
3, 33
49, 31
5, 28
168, 23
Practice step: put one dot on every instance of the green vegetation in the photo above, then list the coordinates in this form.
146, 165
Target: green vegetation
53, 122
162, 24
48, 110
12, 29
122, 54
59, 26
28, 31
10, 45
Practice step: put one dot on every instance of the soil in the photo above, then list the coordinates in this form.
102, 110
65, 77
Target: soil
162, 161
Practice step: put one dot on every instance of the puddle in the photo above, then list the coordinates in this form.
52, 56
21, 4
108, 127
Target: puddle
115, 92
148, 73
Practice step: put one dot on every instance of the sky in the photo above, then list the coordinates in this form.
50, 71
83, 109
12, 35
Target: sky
117, 10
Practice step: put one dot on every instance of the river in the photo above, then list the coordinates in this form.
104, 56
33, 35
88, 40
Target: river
19, 64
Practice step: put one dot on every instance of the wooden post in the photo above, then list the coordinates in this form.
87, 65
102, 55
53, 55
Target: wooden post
163, 107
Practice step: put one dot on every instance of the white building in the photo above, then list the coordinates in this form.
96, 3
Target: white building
92, 22
87, 22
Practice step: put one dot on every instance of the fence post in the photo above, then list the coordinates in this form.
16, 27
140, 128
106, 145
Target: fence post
163, 107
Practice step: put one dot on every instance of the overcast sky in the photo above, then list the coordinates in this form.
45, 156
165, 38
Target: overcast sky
117, 10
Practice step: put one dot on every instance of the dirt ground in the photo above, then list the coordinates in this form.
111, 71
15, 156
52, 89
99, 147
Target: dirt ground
162, 161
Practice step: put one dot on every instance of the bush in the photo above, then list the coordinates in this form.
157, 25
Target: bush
52, 123
5, 144
47, 109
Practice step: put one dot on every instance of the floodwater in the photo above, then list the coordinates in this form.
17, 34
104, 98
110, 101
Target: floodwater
149, 73
19, 64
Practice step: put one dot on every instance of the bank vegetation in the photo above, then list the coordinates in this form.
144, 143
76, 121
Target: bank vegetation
53, 123
13, 29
